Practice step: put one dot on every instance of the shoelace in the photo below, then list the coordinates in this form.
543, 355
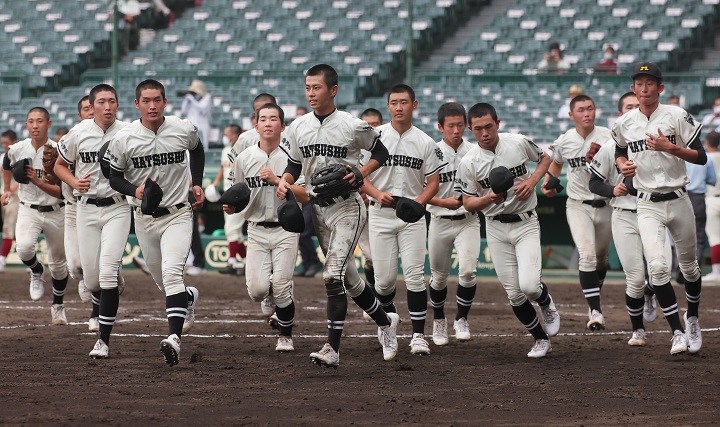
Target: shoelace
694, 330
549, 315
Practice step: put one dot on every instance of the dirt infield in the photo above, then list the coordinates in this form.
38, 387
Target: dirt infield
230, 374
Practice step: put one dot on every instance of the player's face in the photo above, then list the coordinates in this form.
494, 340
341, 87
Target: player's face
401, 107
269, 125
151, 105
38, 125
372, 120
105, 107
629, 103
647, 90
453, 129
319, 95
231, 136
6, 142
485, 130
86, 110
583, 115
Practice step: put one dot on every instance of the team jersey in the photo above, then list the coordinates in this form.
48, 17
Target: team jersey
512, 151
413, 157
570, 147
30, 193
263, 200
140, 153
226, 166
656, 171
714, 190
603, 165
245, 140
337, 140
81, 146
448, 176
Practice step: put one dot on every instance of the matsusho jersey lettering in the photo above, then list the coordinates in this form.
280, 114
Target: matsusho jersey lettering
140, 153
263, 200
656, 171
448, 176
603, 165
337, 140
571, 148
30, 193
512, 151
81, 146
413, 157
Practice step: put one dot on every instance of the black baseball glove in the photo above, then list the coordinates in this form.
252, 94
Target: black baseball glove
328, 182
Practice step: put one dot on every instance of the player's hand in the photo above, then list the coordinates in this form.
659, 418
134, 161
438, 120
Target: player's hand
496, 198
268, 175
452, 203
620, 190
364, 197
83, 184
199, 197
229, 209
32, 175
548, 192
628, 169
658, 142
524, 190
386, 199
282, 188
140, 192
5, 198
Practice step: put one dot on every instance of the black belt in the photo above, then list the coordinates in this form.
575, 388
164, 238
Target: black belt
509, 218
627, 210
663, 197
160, 212
44, 208
595, 203
456, 217
108, 201
267, 224
329, 202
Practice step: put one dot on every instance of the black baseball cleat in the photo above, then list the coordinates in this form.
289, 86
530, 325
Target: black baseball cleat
228, 269
170, 348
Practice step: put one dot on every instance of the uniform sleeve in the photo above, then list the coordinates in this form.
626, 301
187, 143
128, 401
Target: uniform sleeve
364, 135
289, 145
364, 158
237, 173
603, 161
556, 152
534, 153
68, 147
687, 128
434, 158
193, 138
465, 182
117, 154
617, 134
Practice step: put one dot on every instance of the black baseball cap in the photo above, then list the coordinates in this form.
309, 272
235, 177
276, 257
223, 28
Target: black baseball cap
649, 68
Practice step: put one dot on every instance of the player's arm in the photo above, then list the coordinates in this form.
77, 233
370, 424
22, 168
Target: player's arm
695, 153
123, 186
598, 186
197, 167
378, 156
477, 204
290, 175
300, 194
385, 199
555, 170
451, 203
7, 179
62, 170
526, 188
431, 188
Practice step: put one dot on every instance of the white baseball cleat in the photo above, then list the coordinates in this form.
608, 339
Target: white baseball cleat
84, 292
284, 344
170, 348
693, 333
37, 285
540, 349
596, 321
418, 345
94, 324
462, 329
190, 317
638, 338
100, 351
57, 311
678, 343
440, 333
267, 305
650, 308
712, 277
387, 335
551, 318
326, 357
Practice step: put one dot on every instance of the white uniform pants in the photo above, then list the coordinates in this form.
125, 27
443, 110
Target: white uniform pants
271, 254
517, 257
103, 232
443, 236
9, 216
72, 250
30, 224
165, 244
233, 227
712, 226
364, 244
390, 236
591, 231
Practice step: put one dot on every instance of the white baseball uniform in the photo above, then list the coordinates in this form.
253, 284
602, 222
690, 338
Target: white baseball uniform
452, 228
39, 212
272, 251
588, 215
103, 214
712, 205
233, 223
72, 247
512, 228
9, 211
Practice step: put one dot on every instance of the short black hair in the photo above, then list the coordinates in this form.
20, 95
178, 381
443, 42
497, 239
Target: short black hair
234, 128
40, 110
10, 134
265, 97
276, 107
580, 98
149, 84
622, 99
372, 112
713, 139
402, 88
84, 98
62, 130
450, 109
101, 88
480, 110
330, 76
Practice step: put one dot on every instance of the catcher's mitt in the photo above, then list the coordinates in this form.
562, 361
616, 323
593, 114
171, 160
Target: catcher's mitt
328, 183
50, 154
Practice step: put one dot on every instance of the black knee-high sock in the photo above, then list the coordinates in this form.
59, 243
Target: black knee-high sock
34, 265
649, 290
464, 298
666, 297
602, 272
591, 289
370, 305
176, 310
544, 299
109, 301
692, 295
58, 286
635, 311
336, 312
370, 276
286, 319
528, 317
386, 302
96, 303
437, 301
417, 306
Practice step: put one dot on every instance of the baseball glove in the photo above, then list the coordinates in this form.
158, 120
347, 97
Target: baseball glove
50, 154
328, 183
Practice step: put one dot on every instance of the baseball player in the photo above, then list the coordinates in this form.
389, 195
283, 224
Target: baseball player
41, 210
588, 215
259, 166
652, 145
712, 202
410, 171
9, 211
513, 230
103, 214
451, 226
155, 148
314, 141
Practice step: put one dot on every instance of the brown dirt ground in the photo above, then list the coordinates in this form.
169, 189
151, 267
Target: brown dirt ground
229, 373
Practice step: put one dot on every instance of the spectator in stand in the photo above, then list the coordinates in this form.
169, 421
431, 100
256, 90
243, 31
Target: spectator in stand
301, 111
196, 107
712, 120
674, 100
553, 62
701, 177
609, 64
564, 111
